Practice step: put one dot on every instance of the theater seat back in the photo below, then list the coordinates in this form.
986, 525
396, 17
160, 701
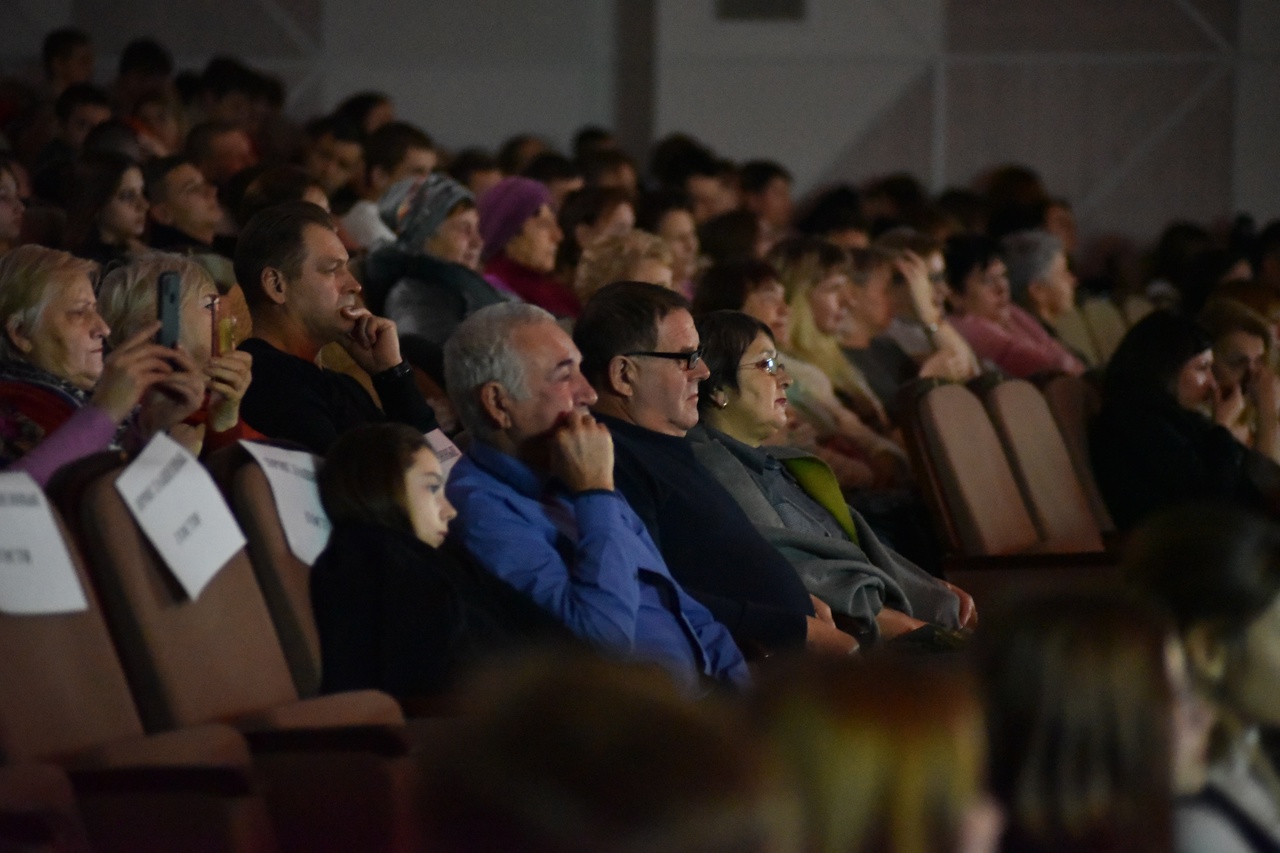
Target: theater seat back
213, 659
1042, 468
62, 690
1074, 403
284, 579
970, 475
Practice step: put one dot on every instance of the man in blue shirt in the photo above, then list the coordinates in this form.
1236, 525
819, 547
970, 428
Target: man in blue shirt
537, 506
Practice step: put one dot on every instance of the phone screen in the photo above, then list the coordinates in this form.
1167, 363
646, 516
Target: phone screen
168, 308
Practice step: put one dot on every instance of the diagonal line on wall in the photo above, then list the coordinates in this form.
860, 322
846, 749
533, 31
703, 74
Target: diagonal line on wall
1109, 184
285, 21
1200, 21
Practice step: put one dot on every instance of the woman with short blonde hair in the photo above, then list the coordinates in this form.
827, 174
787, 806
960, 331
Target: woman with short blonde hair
634, 256
59, 398
128, 297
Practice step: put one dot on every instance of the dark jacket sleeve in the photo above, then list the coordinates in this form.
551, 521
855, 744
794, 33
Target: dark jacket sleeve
755, 626
402, 401
384, 623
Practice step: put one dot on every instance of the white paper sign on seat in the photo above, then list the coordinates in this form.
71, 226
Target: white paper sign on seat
181, 511
292, 477
36, 573
446, 451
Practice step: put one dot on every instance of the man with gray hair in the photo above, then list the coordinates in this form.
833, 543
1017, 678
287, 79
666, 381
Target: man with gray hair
537, 506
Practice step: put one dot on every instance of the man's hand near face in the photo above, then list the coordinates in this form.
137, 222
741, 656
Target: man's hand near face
372, 342
581, 453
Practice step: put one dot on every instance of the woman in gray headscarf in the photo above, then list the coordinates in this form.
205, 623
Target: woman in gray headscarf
427, 281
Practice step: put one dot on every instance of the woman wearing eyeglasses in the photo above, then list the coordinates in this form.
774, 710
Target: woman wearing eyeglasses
999, 331
793, 498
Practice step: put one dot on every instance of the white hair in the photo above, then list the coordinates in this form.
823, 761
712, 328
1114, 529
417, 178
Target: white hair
479, 351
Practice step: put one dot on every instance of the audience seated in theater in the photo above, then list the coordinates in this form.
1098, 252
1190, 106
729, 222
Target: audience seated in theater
732, 236
610, 168
1000, 332
1093, 725
67, 56
474, 168
765, 188
517, 152
919, 296
1171, 260
1218, 571
220, 150
1265, 257
680, 162
641, 352
78, 110
571, 753
275, 185
863, 336
794, 499
127, 301
560, 175
369, 111
396, 608
1242, 369
394, 152
817, 421
1041, 281
427, 281
1255, 294
184, 209
302, 296
815, 277
1152, 445
538, 508
145, 69
835, 215
669, 214
107, 211
882, 763
592, 139
586, 216
230, 92
520, 242
634, 256
12, 206
59, 399
335, 158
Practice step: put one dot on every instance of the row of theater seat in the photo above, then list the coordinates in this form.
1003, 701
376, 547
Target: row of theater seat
155, 721
188, 724
1004, 468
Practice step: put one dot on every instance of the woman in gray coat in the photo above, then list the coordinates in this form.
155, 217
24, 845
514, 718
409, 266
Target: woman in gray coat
794, 499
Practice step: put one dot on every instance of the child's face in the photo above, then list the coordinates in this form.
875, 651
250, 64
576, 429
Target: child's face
429, 510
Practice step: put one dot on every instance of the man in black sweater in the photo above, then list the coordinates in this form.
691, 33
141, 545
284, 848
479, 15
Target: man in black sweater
293, 269
640, 352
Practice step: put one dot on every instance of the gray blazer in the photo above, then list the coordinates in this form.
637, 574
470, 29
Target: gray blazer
854, 579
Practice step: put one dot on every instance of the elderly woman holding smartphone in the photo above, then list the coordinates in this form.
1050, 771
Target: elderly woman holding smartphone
131, 296
60, 399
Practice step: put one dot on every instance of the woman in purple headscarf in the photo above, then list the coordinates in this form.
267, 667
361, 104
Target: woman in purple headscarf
520, 241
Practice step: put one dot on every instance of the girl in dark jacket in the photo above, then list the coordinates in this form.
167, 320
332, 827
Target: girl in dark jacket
397, 608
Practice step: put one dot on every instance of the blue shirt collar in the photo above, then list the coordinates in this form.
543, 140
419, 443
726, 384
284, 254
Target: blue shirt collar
508, 469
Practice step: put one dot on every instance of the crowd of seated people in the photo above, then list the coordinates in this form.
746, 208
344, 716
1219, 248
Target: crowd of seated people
683, 484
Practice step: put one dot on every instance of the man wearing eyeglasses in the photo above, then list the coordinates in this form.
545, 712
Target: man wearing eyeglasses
537, 505
640, 351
